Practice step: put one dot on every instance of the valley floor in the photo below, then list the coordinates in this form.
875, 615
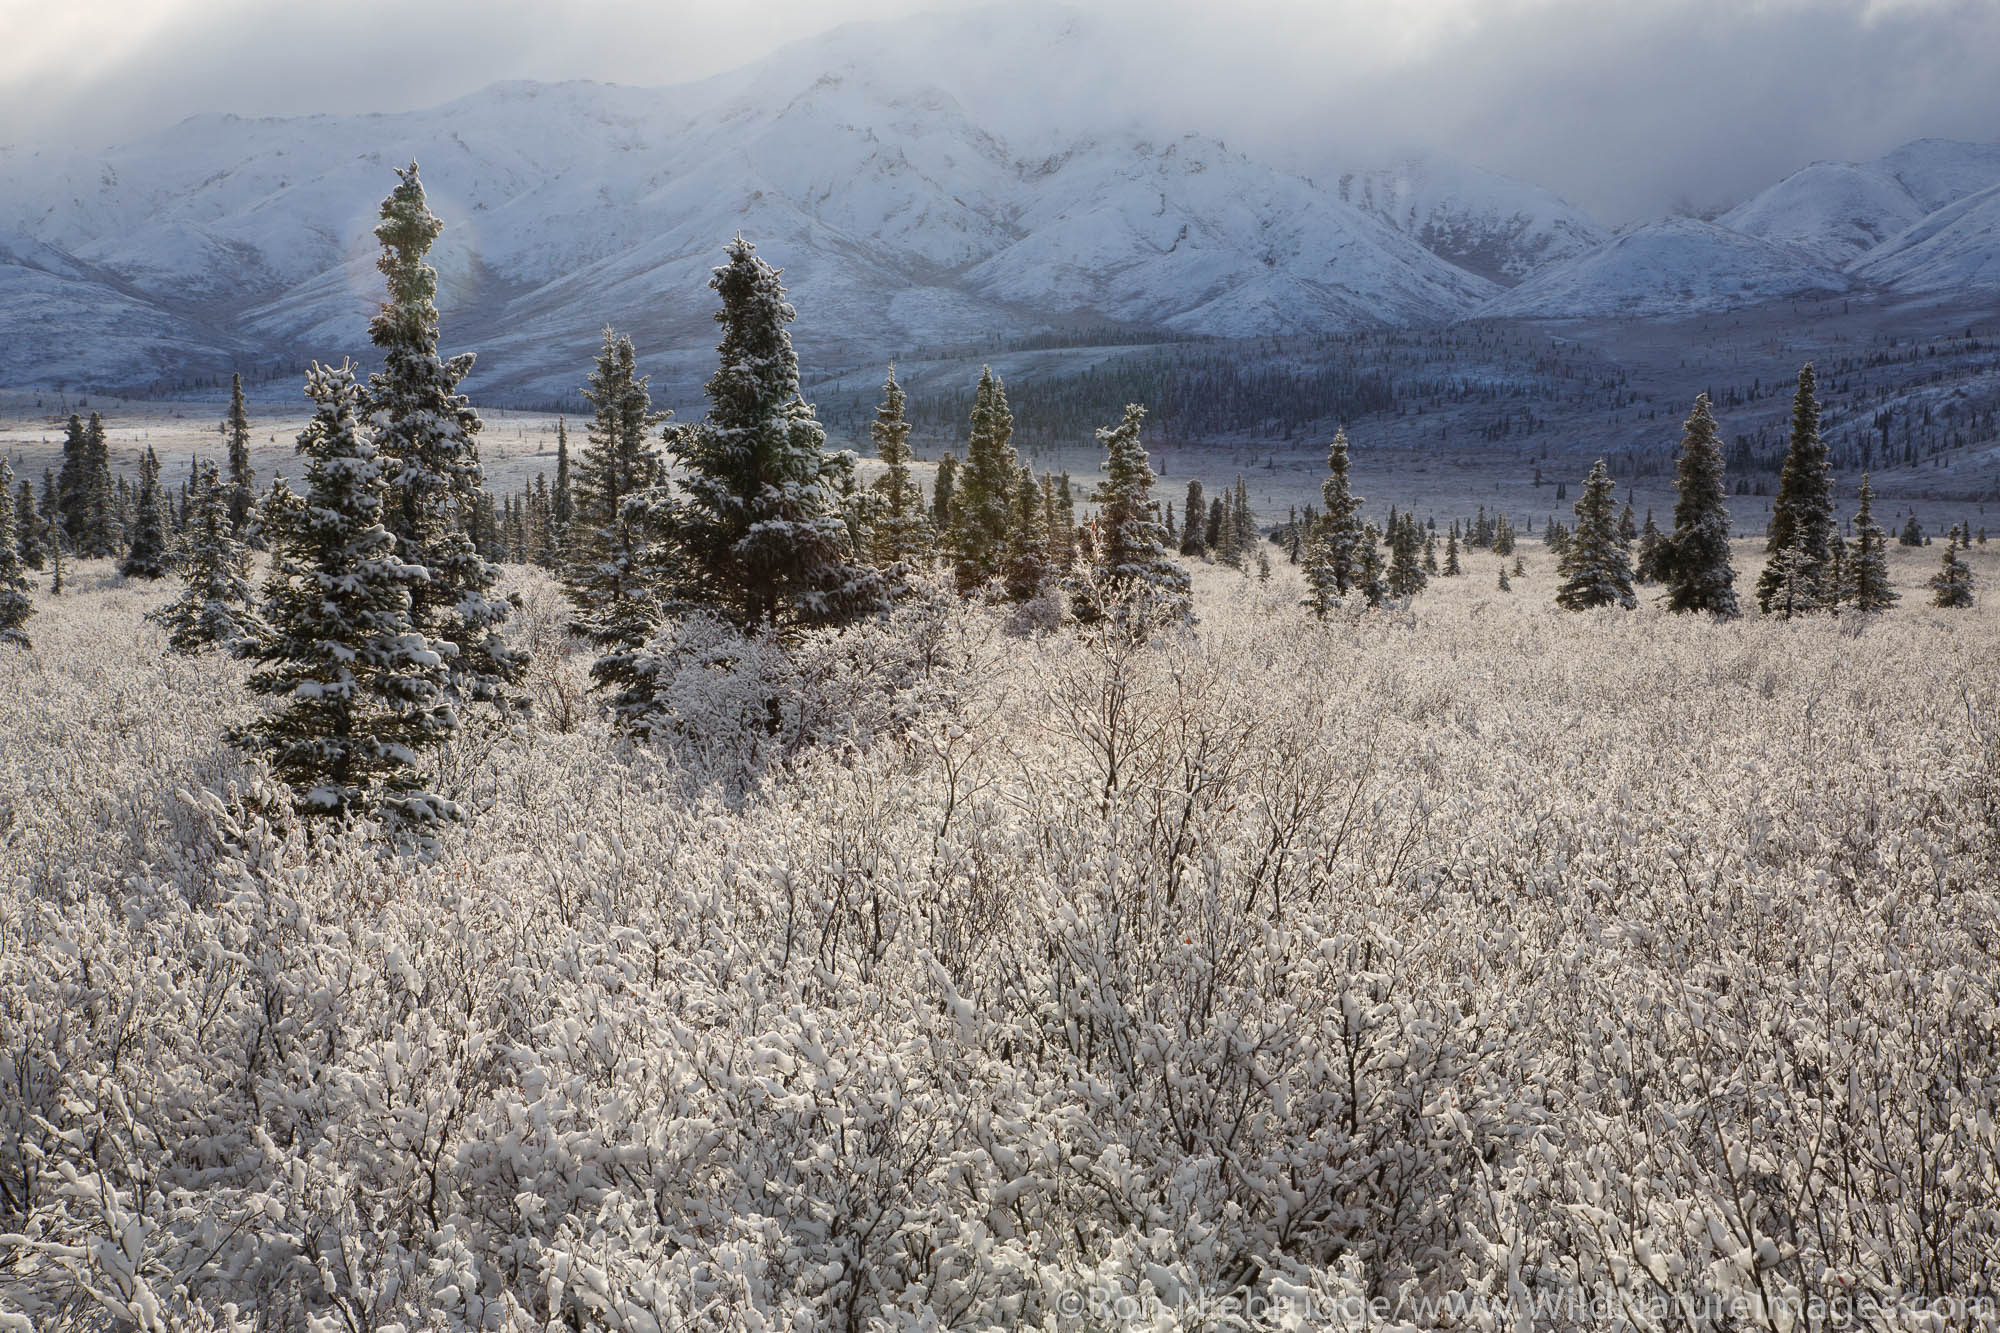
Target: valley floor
1474, 961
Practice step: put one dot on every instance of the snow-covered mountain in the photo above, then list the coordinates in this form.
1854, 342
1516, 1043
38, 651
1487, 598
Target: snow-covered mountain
1840, 211
1501, 229
1679, 266
907, 209
915, 199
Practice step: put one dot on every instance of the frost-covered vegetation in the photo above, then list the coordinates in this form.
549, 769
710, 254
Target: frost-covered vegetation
1473, 965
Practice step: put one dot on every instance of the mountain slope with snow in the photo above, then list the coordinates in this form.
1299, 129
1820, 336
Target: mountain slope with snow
1500, 229
1956, 249
1676, 267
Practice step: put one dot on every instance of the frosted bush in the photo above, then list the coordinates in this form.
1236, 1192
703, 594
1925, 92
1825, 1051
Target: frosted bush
1475, 966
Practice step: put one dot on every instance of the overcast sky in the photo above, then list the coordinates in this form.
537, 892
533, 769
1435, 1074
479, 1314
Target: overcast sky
1627, 108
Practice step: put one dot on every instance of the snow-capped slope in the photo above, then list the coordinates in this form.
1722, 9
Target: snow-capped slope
1840, 211
1836, 210
1956, 249
1679, 266
1499, 228
909, 196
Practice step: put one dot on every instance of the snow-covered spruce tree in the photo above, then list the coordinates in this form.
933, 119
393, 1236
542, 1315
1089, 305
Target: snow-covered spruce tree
1951, 586
899, 539
1060, 514
1335, 542
1027, 570
101, 533
425, 429
1132, 580
146, 557
1596, 567
612, 571
242, 477
1865, 582
1503, 536
15, 606
358, 693
982, 487
562, 499
1694, 561
30, 539
942, 487
755, 526
1371, 583
213, 610
1802, 513
1242, 524
1451, 565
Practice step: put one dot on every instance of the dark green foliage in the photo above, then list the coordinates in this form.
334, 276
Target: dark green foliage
213, 610
1596, 567
1133, 581
980, 509
1865, 577
611, 570
1694, 560
755, 526
425, 430
1802, 514
242, 477
146, 557
358, 693
15, 606
1951, 586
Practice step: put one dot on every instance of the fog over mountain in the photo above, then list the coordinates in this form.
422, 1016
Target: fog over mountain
925, 181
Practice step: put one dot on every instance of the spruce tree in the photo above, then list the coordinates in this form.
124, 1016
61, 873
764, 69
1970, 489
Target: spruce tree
982, 487
1406, 577
1027, 569
1951, 586
1802, 514
1693, 561
1062, 535
1194, 531
15, 606
562, 500
1451, 565
425, 430
29, 539
1597, 571
1651, 546
1372, 585
1133, 580
357, 692
1335, 542
899, 538
213, 610
101, 531
1242, 524
1503, 535
611, 574
756, 529
1865, 586
1912, 533
242, 477
146, 558
943, 486
73, 487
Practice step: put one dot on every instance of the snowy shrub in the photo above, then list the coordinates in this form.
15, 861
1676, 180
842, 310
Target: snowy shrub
1482, 966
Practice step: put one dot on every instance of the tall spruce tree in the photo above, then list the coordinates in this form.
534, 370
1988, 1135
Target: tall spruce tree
1194, 530
1406, 577
756, 528
425, 430
899, 539
1693, 561
213, 610
1334, 545
943, 484
1802, 513
562, 499
30, 540
146, 557
1652, 543
1865, 585
611, 574
73, 487
242, 477
982, 487
1596, 567
357, 691
15, 605
1133, 581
